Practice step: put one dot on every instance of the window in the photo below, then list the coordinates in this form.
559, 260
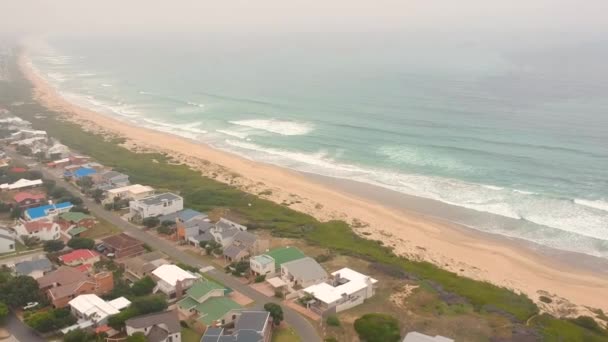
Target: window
11, 246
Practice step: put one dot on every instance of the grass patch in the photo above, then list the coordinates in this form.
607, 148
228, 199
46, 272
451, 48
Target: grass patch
102, 229
554, 329
285, 335
189, 335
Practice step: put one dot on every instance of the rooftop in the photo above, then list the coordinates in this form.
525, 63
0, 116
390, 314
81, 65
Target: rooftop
121, 241
22, 183
35, 226
285, 254
415, 336
63, 275
263, 259
252, 320
42, 211
183, 215
171, 274
84, 172
112, 174
215, 308
305, 269
168, 318
159, 199
77, 230
351, 282
24, 195
201, 288
96, 308
134, 189
78, 254
27, 267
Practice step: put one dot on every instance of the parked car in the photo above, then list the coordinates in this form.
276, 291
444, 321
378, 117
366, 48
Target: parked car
100, 248
30, 305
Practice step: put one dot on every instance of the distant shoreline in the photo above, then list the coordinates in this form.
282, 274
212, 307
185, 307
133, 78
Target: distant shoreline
464, 252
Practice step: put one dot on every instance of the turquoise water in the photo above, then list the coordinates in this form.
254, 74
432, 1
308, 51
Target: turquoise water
509, 128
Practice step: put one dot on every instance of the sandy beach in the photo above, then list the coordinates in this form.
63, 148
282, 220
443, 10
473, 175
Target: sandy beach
465, 252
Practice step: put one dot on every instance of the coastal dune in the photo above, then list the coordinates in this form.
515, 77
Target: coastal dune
412, 235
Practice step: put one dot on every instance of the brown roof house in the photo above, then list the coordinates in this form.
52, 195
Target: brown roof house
143, 265
66, 283
124, 246
158, 327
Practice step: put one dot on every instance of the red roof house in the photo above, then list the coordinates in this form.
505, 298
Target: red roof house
26, 199
80, 256
18, 170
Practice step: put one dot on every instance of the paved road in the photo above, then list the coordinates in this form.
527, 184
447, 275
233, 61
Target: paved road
304, 328
21, 257
19, 330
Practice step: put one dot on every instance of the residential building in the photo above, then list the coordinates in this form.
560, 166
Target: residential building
143, 265
21, 184
7, 241
129, 192
345, 289
270, 262
57, 151
43, 230
66, 283
59, 163
250, 326
194, 231
79, 256
186, 215
418, 337
206, 301
156, 205
244, 244
26, 199
302, 273
89, 307
157, 327
34, 268
123, 246
172, 280
47, 211
81, 173
112, 179
78, 219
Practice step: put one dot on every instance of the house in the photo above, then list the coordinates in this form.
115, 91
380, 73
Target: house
158, 327
81, 173
90, 307
21, 184
156, 205
34, 268
7, 241
112, 179
143, 265
65, 283
243, 245
184, 216
418, 337
123, 246
129, 192
57, 151
47, 211
224, 232
80, 256
194, 231
77, 218
59, 163
79, 160
270, 262
43, 229
302, 273
206, 302
250, 326
345, 289
172, 280
26, 199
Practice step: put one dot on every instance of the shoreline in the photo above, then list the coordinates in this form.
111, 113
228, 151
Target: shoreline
417, 236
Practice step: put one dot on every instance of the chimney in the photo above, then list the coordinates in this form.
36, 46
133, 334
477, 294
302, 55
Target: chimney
179, 290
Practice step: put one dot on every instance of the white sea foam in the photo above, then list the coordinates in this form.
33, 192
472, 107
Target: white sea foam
192, 129
597, 204
404, 155
106, 85
195, 104
232, 133
281, 127
57, 76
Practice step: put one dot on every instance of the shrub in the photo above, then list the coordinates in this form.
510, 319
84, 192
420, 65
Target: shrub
143, 287
588, 323
376, 327
166, 230
47, 321
53, 246
333, 321
150, 222
3, 312
276, 312
260, 278
81, 243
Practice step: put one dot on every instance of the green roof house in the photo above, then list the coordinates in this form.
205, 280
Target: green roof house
270, 262
206, 301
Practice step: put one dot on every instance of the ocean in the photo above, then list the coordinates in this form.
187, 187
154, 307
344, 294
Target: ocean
510, 128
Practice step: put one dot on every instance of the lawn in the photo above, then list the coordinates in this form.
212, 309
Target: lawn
189, 335
102, 229
285, 335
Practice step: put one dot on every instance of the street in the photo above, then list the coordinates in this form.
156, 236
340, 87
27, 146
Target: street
304, 328
19, 330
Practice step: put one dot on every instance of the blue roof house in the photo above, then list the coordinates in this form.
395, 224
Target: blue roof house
47, 211
84, 172
185, 215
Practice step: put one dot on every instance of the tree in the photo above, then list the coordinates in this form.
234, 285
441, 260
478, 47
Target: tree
3, 312
80, 209
19, 291
139, 306
16, 213
85, 183
97, 195
333, 321
143, 287
50, 320
151, 222
213, 247
166, 230
137, 337
78, 335
276, 312
53, 246
376, 327
81, 243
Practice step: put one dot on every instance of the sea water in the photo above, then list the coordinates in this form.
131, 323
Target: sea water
512, 128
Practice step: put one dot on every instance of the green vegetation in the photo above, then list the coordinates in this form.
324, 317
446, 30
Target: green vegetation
137, 337
554, 329
81, 243
276, 312
49, 320
143, 287
285, 335
53, 246
18, 291
151, 222
333, 320
3, 312
189, 335
139, 306
377, 327
80, 335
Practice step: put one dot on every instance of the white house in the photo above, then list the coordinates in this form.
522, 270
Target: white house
131, 192
172, 278
7, 241
91, 307
225, 230
156, 205
21, 184
346, 289
43, 230
415, 336
157, 327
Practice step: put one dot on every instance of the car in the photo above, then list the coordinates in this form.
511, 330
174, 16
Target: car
100, 248
30, 305
110, 255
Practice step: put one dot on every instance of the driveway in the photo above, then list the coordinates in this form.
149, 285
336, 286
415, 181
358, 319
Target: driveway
304, 328
19, 330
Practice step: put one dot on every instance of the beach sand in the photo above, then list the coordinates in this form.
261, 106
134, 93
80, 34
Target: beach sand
419, 237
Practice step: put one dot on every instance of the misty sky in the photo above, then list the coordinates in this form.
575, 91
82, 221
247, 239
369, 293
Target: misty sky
140, 16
